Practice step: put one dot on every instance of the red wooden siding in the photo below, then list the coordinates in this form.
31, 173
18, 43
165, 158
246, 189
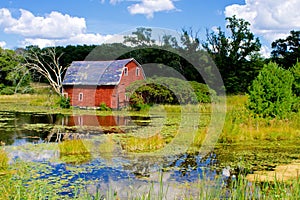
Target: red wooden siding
112, 96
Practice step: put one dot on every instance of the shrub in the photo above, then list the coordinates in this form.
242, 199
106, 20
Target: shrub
270, 94
104, 107
295, 70
64, 102
136, 102
203, 92
7, 91
296, 84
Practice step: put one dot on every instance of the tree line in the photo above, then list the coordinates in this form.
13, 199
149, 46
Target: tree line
235, 52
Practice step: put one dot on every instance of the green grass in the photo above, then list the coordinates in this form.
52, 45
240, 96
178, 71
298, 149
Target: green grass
74, 151
138, 144
3, 161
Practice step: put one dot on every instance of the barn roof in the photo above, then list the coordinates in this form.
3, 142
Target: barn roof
95, 72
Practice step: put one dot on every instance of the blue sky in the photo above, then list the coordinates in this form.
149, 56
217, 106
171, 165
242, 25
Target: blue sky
63, 22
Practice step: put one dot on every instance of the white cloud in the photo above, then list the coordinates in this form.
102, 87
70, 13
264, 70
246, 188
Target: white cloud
6, 18
114, 2
51, 30
2, 44
271, 19
149, 7
80, 39
54, 25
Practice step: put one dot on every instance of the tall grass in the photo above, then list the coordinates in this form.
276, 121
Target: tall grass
241, 126
3, 161
139, 144
74, 151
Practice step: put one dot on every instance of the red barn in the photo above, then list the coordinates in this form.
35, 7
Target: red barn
90, 83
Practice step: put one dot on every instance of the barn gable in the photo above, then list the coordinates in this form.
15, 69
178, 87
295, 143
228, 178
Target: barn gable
90, 83
95, 72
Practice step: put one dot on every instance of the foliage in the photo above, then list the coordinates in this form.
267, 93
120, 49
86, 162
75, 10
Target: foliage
3, 160
295, 70
104, 107
136, 102
236, 56
140, 37
64, 102
270, 94
286, 52
163, 90
203, 92
13, 77
138, 144
74, 151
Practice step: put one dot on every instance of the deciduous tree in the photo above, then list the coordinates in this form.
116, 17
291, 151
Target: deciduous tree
235, 55
47, 64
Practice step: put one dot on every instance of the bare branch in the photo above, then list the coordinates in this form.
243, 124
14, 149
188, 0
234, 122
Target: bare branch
51, 69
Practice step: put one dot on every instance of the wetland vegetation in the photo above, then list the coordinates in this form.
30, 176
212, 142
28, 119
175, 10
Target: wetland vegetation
50, 151
130, 159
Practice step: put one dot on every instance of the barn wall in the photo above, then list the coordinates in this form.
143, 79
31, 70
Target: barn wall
92, 96
113, 96
126, 80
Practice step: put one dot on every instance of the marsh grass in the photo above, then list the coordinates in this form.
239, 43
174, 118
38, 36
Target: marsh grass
240, 125
3, 161
139, 144
74, 151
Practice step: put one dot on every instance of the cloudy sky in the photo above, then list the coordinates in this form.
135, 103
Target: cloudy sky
63, 22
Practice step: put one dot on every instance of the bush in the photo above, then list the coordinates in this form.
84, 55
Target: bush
64, 102
295, 70
203, 92
104, 107
7, 91
136, 102
270, 94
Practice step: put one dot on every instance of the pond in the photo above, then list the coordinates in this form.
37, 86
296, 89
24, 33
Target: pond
109, 164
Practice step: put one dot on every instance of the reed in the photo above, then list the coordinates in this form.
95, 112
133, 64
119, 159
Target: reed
139, 144
74, 151
3, 160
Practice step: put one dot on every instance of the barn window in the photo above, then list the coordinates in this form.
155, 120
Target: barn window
125, 71
80, 97
137, 71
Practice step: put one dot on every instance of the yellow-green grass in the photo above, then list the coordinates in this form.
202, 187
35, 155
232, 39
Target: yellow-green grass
75, 151
3, 161
139, 144
240, 125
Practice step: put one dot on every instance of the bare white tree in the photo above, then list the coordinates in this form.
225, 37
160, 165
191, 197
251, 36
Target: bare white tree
47, 64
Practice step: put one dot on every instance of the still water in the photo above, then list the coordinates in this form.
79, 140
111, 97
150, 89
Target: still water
109, 166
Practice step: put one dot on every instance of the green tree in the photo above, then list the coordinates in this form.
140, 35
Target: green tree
13, 77
140, 37
286, 52
295, 70
270, 94
236, 55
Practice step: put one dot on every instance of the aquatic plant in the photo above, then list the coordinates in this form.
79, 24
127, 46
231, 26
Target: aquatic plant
139, 144
74, 151
3, 160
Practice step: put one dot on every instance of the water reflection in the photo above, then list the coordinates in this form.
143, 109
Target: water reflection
107, 165
17, 128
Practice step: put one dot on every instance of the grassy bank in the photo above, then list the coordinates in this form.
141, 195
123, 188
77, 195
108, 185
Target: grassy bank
246, 142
